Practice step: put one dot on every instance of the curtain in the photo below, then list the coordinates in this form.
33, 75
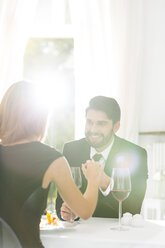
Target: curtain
127, 21
16, 18
108, 56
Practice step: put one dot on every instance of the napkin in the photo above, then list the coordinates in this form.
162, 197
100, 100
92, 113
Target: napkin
137, 220
126, 219
132, 220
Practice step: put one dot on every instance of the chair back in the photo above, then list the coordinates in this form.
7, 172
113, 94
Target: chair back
29, 218
8, 238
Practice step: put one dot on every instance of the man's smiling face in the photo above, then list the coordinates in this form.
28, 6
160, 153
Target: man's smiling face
99, 130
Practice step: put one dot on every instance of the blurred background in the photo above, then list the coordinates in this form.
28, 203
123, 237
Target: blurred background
76, 49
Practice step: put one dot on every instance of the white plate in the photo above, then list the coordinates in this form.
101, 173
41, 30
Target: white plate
61, 225
66, 224
48, 227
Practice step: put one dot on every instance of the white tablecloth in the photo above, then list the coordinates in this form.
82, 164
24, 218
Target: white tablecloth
96, 233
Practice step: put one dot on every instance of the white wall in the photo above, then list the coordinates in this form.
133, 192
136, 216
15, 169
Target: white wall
152, 102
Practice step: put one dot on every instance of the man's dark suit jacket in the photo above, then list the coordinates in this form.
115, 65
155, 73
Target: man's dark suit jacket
122, 153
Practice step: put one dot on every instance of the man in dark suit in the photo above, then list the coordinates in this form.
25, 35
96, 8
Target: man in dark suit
102, 122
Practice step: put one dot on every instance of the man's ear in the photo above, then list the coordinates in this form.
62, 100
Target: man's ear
116, 126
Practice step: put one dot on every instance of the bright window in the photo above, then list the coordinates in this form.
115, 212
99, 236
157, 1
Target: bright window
48, 61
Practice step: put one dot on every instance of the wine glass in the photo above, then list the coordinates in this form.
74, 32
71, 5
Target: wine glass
76, 174
121, 189
51, 199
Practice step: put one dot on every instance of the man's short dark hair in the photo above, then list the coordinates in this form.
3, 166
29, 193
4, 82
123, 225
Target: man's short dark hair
106, 104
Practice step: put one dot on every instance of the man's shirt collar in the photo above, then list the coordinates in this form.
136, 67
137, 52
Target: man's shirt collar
104, 153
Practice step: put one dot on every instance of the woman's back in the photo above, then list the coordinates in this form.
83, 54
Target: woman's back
23, 199
27, 166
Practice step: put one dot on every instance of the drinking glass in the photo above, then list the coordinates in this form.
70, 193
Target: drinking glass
121, 189
51, 199
76, 174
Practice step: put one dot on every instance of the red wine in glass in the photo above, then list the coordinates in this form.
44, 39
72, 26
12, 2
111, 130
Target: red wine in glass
121, 189
120, 195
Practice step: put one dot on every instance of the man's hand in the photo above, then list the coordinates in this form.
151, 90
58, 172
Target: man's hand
105, 181
66, 212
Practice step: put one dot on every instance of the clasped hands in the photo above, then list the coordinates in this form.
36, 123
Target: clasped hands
90, 169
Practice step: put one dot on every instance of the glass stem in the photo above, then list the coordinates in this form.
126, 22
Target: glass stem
120, 213
71, 218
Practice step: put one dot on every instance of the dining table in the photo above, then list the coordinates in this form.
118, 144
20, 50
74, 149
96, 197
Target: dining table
98, 233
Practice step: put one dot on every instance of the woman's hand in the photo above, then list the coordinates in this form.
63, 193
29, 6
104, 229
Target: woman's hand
92, 171
104, 179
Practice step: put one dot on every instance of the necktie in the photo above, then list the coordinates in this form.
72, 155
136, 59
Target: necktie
97, 157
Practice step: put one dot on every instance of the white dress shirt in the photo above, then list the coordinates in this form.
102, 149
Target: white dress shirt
104, 154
